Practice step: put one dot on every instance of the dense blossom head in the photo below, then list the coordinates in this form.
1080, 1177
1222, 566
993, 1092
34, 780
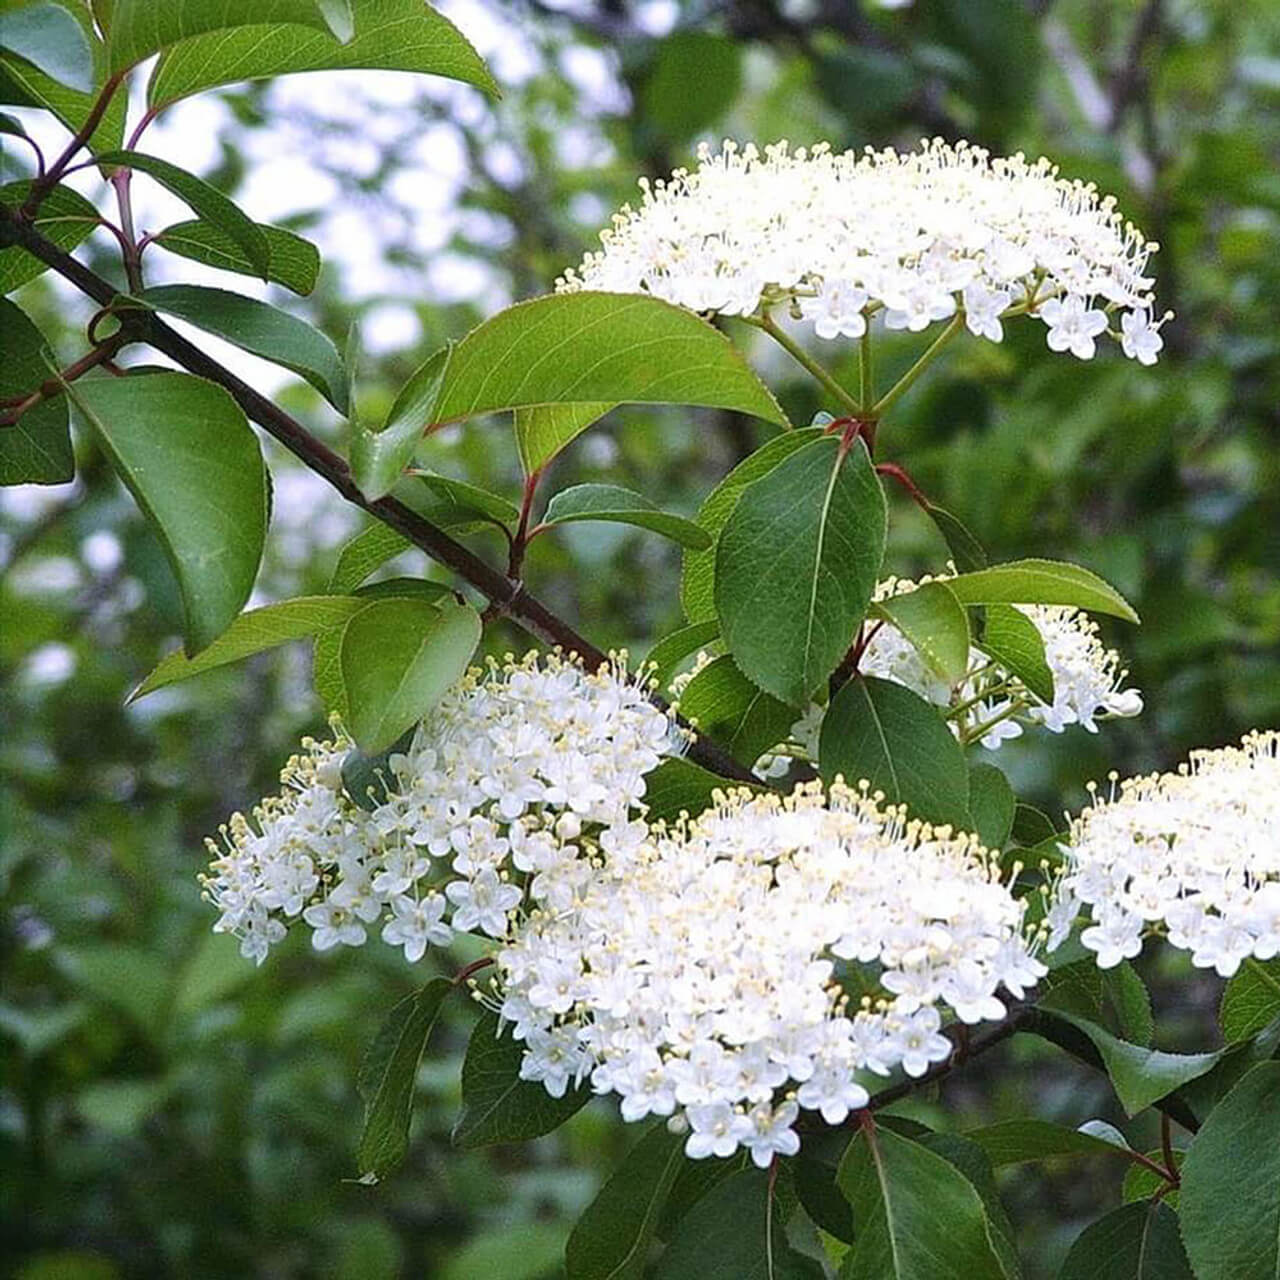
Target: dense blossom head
917, 237
1087, 676
1194, 853
755, 960
507, 779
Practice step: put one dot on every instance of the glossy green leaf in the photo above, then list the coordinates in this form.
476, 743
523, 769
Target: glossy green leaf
1141, 1183
497, 1106
543, 430
12, 126
611, 1240
666, 657
50, 39
361, 555
140, 28
973, 1163
1137, 1242
796, 564
935, 623
1041, 582
207, 202
698, 579
679, 786
387, 1076
291, 260
262, 330
459, 493
64, 216
884, 733
379, 457
398, 656
725, 1236
390, 35
991, 804
965, 549
917, 1216
1140, 1076
1251, 1000
614, 504
37, 448
188, 456
1131, 1001
1015, 642
725, 706
1020, 1141
1030, 826
1231, 1183
251, 633
365, 775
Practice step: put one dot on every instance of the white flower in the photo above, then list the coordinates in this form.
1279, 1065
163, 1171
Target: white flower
832, 1092
483, 901
914, 235
415, 925
1073, 325
333, 926
918, 1042
1194, 851
1140, 336
771, 1133
716, 1129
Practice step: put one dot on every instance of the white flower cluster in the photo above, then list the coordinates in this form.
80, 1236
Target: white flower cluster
1087, 676
919, 237
1193, 852
737, 968
509, 773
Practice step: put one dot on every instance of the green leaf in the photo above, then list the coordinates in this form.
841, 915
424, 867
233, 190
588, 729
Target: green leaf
666, 656
361, 555
1231, 1183
387, 1077
1019, 1141
972, 1162
365, 776
1015, 642
543, 430
725, 1236
470, 497
612, 503
1131, 1001
611, 1240
694, 79
679, 786
935, 623
65, 217
126, 977
140, 28
881, 731
1041, 582
216, 969
1031, 827
965, 549
291, 260
566, 349
183, 448
525, 1251
820, 1195
497, 1106
397, 657
1251, 1000
918, 1217
37, 448
252, 632
725, 706
390, 35
1141, 1183
260, 329
1136, 1242
1140, 1076
12, 126
50, 39
697, 582
207, 202
991, 802
796, 565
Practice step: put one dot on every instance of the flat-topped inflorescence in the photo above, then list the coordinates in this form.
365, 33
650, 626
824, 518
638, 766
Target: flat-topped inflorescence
755, 960
919, 237
1193, 853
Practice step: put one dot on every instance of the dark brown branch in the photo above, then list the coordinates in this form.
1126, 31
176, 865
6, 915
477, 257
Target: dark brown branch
507, 595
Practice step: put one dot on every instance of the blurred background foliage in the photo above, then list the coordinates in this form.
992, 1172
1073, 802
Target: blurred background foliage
165, 1109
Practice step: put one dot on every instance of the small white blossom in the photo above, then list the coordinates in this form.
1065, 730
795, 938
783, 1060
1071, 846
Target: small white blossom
1140, 336
1073, 325
416, 925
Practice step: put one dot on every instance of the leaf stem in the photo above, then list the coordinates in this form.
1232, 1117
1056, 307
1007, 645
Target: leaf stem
866, 371
909, 379
104, 353
806, 361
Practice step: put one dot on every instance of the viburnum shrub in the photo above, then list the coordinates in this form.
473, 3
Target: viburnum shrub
755, 884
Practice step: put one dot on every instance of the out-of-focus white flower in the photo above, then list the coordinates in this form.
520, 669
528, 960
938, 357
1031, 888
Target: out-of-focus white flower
768, 941
918, 236
1193, 853
512, 772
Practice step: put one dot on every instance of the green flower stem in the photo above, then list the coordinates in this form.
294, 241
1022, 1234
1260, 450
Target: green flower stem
908, 379
866, 370
802, 358
975, 733
993, 691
